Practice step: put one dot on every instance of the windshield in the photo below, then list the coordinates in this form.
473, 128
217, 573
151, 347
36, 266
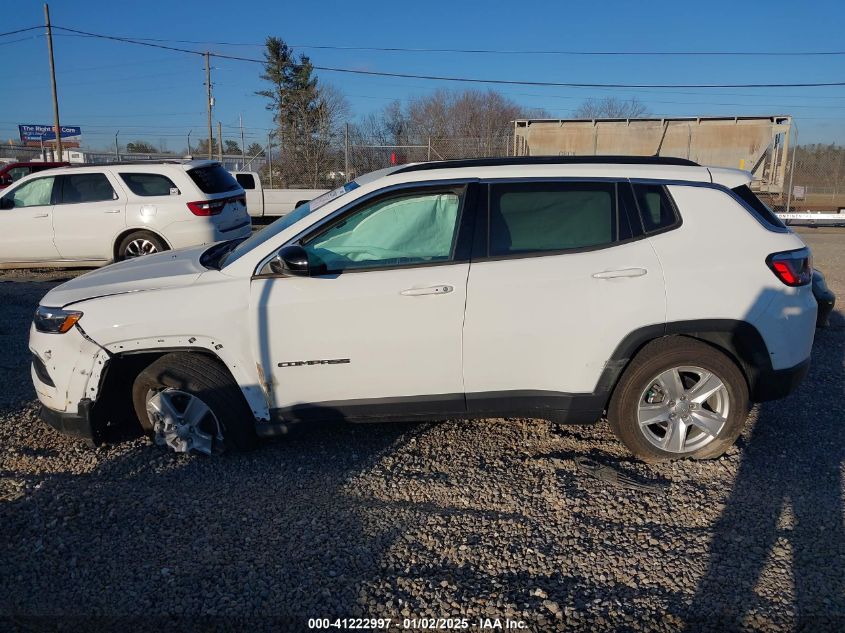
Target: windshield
269, 232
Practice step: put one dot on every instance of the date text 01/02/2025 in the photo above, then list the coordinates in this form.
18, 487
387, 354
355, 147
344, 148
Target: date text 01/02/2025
419, 623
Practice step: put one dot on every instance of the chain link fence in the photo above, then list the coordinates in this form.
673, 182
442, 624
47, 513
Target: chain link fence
814, 178
361, 156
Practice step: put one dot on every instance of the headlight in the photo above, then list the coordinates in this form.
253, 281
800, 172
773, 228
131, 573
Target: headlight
55, 320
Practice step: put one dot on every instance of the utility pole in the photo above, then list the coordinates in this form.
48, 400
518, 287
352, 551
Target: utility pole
56, 124
270, 157
346, 153
116, 146
243, 143
189, 142
220, 141
208, 95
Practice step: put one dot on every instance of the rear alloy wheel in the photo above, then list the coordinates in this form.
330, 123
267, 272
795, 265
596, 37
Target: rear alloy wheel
138, 244
683, 409
678, 398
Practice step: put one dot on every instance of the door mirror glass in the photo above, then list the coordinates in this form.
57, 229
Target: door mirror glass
291, 260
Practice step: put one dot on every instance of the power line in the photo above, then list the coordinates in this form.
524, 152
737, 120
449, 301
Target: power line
490, 51
507, 82
29, 28
560, 84
22, 39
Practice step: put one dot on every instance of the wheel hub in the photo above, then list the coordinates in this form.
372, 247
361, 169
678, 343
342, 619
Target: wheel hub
683, 409
183, 422
139, 247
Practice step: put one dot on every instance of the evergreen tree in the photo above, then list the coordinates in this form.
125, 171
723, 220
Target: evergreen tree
305, 114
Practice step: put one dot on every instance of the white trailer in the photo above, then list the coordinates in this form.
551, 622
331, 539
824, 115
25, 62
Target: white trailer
758, 144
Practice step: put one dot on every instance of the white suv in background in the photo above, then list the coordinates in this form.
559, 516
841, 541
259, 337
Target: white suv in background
95, 214
653, 291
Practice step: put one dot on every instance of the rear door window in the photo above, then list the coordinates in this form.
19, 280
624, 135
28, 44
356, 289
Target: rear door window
78, 188
149, 184
213, 179
551, 216
16, 173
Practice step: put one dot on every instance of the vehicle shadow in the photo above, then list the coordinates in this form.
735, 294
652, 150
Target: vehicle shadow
784, 514
253, 540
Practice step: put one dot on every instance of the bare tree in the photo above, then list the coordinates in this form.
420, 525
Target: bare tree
457, 124
611, 108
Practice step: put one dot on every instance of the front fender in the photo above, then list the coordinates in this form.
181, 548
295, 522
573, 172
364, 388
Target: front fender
246, 376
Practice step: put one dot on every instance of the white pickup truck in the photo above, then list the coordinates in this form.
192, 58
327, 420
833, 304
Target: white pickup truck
271, 203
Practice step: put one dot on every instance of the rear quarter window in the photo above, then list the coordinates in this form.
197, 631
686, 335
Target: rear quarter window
213, 179
657, 211
148, 184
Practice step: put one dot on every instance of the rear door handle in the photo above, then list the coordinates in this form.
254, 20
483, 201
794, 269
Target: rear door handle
430, 290
623, 272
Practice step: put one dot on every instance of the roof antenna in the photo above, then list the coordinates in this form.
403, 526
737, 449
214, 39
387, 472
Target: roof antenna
663, 136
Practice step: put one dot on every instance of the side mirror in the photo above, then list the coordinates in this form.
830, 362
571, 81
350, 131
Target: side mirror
7, 203
291, 260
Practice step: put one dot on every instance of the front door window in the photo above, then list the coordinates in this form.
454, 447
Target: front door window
403, 230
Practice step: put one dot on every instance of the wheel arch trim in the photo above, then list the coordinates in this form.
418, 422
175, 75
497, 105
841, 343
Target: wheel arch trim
738, 339
246, 376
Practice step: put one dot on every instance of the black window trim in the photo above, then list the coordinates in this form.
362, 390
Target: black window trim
774, 228
463, 241
121, 175
711, 185
58, 192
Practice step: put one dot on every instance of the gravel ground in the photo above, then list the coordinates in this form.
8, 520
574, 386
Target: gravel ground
459, 519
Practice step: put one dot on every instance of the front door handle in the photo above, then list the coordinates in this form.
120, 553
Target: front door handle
430, 290
623, 272
41, 215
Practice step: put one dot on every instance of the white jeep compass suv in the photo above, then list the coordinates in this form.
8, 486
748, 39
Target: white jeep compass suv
653, 291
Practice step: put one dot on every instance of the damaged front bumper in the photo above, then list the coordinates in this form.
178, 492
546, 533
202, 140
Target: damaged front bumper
78, 425
66, 373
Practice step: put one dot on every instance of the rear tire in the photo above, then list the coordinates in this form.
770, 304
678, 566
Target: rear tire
679, 398
140, 243
185, 376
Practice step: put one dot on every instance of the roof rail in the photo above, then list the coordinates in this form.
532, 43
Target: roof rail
154, 161
549, 160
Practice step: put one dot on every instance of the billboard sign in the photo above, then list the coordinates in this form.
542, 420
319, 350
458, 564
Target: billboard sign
47, 132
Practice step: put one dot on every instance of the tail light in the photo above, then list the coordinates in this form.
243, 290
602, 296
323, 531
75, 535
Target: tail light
793, 268
207, 207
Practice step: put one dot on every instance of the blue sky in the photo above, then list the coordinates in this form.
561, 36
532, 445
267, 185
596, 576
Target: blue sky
158, 95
